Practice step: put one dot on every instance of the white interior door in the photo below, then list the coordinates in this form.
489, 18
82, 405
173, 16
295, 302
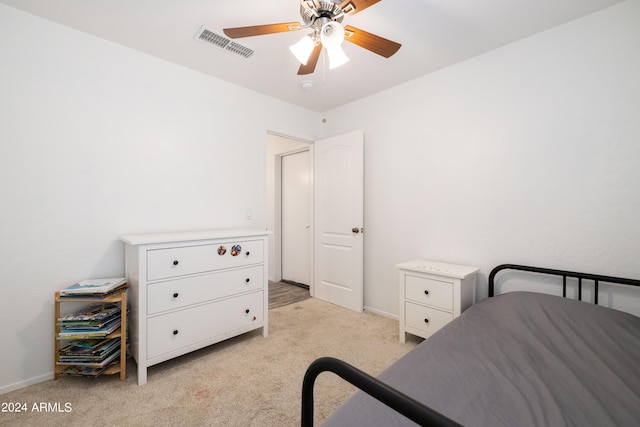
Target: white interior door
339, 215
296, 217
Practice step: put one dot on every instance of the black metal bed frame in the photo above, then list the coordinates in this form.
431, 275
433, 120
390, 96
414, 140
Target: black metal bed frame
596, 278
399, 401
386, 394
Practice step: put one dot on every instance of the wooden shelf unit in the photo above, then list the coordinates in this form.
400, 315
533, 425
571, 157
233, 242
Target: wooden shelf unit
121, 332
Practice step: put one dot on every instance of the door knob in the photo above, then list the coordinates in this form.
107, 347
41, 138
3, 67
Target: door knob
355, 230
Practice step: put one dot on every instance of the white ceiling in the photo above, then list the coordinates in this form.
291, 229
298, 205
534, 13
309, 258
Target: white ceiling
433, 33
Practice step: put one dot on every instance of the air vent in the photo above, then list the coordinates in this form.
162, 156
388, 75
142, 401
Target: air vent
212, 38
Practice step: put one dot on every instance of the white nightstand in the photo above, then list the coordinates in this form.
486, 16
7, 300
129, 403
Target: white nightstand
432, 294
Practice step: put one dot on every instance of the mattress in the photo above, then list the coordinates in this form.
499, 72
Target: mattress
518, 359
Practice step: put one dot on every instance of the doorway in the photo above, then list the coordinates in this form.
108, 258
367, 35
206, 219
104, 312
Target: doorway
334, 224
282, 149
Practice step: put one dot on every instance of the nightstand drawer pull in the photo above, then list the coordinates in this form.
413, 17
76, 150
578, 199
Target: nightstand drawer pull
247, 253
175, 262
426, 320
426, 292
247, 280
175, 332
247, 311
175, 295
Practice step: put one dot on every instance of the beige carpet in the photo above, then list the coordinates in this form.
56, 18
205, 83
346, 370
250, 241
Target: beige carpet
245, 381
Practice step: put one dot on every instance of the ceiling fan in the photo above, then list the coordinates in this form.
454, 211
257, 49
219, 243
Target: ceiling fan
324, 18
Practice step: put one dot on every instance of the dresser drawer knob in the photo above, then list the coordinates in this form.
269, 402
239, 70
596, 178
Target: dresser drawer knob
247, 253
247, 280
247, 311
175, 295
426, 320
175, 262
426, 292
175, 332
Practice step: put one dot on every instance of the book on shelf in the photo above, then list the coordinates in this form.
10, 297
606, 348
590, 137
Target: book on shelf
94, 286
89, 347
103, 363
94, 312
83, 371
95, 296
92, 345
94, 321
89, 325
74, 354
78, 333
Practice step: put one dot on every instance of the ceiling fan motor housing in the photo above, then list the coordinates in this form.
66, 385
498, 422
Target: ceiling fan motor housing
312, 10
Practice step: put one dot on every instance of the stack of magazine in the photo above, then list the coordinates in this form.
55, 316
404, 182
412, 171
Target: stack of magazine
95, 288
94, 321
89, 357
89, 351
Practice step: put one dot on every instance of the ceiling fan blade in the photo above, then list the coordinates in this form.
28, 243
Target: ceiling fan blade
311, 62
351, 7
375, 44
258, 30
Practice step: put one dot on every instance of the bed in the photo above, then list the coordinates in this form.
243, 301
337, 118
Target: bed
515, 359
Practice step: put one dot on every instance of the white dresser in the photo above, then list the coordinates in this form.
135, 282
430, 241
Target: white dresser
432, 294
193, 289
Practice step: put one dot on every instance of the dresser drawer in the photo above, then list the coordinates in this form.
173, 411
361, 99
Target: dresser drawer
173, 331
182, 261
437, 293
425, 319
178, 293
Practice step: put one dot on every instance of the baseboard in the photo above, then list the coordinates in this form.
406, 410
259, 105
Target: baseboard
26, 383
381, 313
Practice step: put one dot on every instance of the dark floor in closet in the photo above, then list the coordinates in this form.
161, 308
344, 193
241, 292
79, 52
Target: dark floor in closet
282, 293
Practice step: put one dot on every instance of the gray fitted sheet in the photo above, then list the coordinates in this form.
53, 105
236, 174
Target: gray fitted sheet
519, 359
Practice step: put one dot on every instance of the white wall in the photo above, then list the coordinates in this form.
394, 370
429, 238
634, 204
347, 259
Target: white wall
97, 141
528, 154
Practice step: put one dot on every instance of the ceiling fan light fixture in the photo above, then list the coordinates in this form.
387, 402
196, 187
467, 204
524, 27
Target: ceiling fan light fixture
302, 49
337, 57
332, 34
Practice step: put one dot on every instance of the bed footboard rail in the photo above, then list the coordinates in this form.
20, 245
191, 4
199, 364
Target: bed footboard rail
386, 394
595, 278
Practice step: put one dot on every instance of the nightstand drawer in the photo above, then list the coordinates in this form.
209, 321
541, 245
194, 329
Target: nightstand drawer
437, 293
425, 319
182, 261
